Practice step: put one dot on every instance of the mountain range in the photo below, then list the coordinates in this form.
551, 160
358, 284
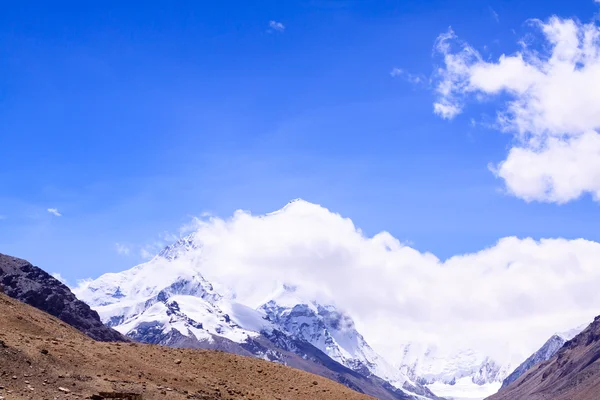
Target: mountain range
168, 301
44, 358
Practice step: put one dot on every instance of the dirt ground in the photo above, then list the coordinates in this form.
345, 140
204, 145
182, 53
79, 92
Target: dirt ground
43, 358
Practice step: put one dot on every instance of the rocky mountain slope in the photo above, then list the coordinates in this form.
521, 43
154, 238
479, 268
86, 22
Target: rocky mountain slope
572, 373
546, 352
29, 284
167, 301
42, 357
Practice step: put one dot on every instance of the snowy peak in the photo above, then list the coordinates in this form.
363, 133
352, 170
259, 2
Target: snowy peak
329, 330
163, 299
544, 353
197, 286
473, 370
138, 283
179, 248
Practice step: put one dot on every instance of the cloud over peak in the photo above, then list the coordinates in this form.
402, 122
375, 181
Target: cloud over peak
517, 291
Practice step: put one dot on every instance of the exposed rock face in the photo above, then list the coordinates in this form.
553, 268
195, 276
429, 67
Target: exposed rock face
572, 373
31, 285
546, 352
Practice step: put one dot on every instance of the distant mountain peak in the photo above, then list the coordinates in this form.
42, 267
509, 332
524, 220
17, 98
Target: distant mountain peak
179, 248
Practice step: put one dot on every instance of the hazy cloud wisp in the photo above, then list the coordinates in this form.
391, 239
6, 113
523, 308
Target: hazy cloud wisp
54, 212
276, 26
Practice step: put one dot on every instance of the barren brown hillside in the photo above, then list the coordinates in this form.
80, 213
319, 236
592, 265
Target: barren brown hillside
43, 358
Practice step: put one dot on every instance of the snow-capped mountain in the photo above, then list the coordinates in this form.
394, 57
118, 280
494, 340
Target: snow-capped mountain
546, 352
207, 291
167, 301
334, 333
469, 373
463, 373
427, 366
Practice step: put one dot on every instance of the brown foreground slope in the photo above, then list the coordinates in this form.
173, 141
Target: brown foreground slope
25, 282
572, 374
43, 358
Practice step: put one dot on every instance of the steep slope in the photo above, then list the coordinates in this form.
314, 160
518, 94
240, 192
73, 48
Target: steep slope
546, 352
572, 373
42, 357
29, 284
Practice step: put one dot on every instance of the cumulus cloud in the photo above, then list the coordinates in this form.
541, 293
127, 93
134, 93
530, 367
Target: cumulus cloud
504, 301
550, 103
54, 212
122, 249
276, 26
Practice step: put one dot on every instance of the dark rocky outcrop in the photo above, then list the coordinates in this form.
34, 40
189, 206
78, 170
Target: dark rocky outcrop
21, 280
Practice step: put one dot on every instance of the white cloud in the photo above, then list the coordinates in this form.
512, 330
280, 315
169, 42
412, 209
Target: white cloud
446, 110
276, 26
551, 106
495, 14
54, 212
412, 78
505, 300
59, 277
148, 252
396, 72
122, 249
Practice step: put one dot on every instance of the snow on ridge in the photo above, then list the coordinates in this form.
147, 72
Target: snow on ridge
571, 333
329, 330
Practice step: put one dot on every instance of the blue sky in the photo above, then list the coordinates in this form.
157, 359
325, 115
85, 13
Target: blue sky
131, 118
